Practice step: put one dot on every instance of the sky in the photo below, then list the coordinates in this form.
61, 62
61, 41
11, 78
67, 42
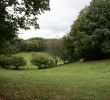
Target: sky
57, 22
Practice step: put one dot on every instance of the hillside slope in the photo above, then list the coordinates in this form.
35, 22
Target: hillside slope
75, 81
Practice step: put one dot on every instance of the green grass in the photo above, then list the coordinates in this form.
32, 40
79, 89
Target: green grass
75, 81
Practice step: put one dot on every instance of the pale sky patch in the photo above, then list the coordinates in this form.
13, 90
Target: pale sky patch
56, 23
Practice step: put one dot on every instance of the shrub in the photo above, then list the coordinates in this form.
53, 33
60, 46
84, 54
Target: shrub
12, 61
4, 60
18, 62
42, 62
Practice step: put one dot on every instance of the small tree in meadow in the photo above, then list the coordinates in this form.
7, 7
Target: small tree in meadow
12, 62
42, 61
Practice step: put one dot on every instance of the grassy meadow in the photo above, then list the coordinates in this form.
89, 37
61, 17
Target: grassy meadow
75, 81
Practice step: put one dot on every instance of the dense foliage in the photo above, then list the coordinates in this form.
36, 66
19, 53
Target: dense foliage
22, 13
41, 61
89, 37
19, 14
12, 61
30, 45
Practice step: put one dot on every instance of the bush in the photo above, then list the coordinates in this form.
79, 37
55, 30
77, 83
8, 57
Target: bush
4, 60
42, 62
18, 62
13, 61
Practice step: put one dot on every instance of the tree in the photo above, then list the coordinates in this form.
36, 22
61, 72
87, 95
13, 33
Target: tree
7, 48
74, 36
52, 48
41, 61
19, 14
62, 51
12, 61
89, 36
22, 13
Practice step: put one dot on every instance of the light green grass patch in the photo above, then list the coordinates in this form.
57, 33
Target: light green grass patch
75, 81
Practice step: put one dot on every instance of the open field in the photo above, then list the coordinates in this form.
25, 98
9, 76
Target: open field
75, 81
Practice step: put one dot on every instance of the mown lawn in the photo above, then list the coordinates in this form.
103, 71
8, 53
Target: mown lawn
75, 81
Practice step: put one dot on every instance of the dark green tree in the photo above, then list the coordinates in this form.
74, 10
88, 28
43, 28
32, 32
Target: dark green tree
22, 13
19, 14
90, 33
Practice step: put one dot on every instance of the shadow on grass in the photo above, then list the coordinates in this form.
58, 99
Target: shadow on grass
60, 65
45, 68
